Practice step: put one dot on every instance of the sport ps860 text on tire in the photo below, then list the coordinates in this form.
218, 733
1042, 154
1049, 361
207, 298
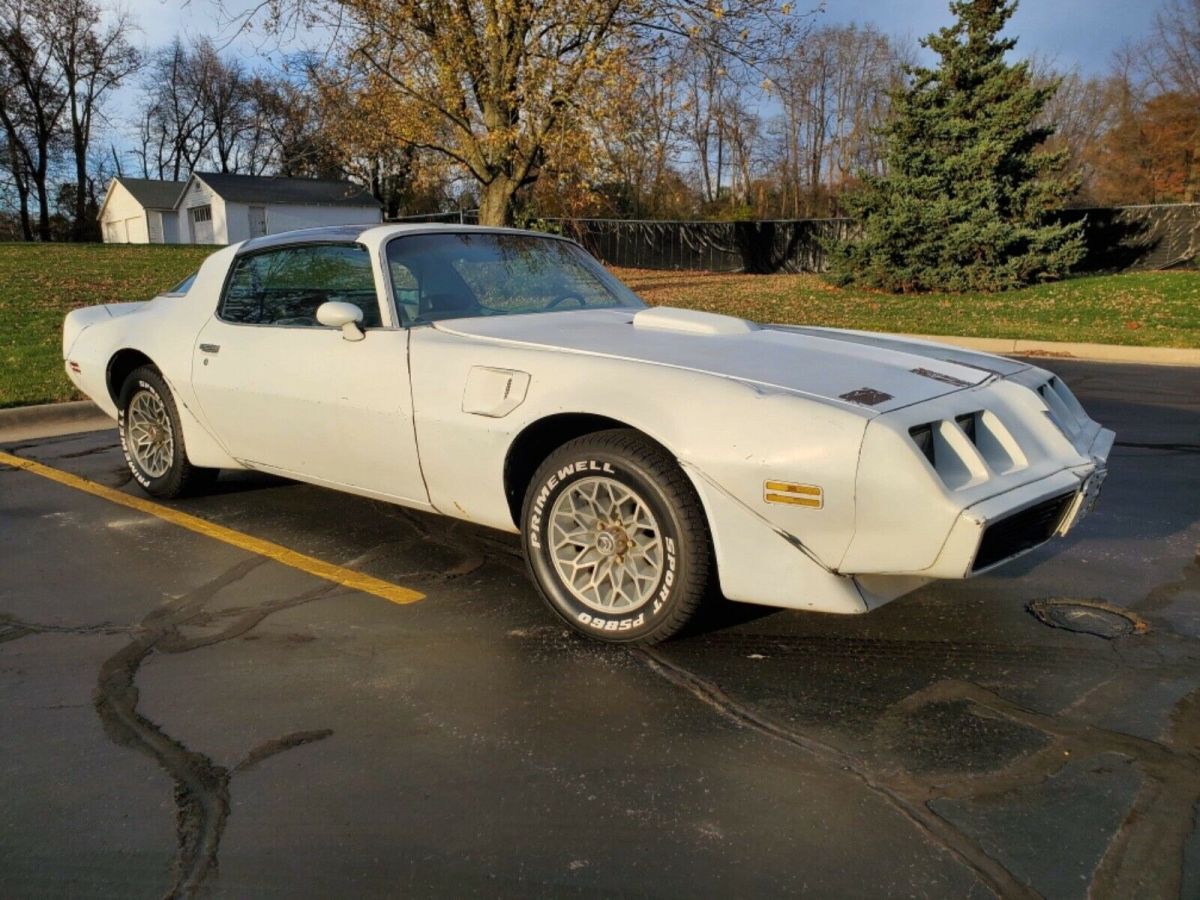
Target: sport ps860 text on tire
615, 538
152, 439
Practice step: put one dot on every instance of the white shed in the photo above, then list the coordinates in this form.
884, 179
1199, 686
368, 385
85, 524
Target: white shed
140, 211
224, 209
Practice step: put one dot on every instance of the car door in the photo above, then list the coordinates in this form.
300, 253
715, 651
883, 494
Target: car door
286, 394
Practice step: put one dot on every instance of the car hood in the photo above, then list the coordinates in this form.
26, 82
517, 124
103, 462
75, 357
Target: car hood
871, 372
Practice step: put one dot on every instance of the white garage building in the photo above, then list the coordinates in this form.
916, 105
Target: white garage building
140, 211
211, 208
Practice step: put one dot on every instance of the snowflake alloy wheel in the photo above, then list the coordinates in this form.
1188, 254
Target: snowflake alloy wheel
606, 545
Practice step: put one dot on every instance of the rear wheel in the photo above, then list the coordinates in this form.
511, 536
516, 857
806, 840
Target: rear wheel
615, 538
152, 439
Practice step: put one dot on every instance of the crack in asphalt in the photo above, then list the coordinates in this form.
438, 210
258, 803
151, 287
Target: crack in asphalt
201, 787
936, 829
478, 548
12, 628
1144, 857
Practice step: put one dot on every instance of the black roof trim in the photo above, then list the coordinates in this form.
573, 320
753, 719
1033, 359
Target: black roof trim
326, 234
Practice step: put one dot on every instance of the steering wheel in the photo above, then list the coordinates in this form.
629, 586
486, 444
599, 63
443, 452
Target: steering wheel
563, 298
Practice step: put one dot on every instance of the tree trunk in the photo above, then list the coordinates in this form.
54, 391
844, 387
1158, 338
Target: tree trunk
79, 227
496, 206
26, 224
43, 194
22, 186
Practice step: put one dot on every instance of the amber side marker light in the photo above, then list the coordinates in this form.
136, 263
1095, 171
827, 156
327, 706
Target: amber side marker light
808, 495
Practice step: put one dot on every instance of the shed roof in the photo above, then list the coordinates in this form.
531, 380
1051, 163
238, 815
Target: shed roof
303, 191
152, 194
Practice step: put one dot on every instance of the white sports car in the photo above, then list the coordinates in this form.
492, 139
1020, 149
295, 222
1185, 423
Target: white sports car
506, 378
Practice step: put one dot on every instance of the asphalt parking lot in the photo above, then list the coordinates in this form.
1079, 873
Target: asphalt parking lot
182, 716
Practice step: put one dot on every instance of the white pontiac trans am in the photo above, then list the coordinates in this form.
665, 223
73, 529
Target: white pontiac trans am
506, 378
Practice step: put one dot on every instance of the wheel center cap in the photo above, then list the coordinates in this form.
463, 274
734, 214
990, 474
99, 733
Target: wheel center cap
606, 544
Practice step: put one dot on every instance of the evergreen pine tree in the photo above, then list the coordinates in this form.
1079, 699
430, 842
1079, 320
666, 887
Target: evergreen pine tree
963, 204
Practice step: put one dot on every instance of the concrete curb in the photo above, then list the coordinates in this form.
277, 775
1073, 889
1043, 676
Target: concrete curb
50, 419
1113, 353
50, 413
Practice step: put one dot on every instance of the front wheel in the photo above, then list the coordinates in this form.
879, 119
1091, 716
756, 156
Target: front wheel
615, 538
152, 439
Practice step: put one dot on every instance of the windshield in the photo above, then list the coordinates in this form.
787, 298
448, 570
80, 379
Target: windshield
454, 275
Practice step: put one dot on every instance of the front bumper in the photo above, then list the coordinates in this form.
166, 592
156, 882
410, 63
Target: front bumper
1028, 467
1002, 528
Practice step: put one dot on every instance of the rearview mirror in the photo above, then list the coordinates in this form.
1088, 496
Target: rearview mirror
345, 316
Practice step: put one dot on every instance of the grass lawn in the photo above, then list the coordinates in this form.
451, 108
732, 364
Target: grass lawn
39, 283
1150, 309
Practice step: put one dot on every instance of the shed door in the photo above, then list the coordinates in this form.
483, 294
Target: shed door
258, 221
202, 226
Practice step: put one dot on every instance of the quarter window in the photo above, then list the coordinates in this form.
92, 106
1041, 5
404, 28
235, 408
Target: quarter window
285, 286
184, 286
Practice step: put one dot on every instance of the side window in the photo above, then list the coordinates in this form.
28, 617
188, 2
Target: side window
285, 286
406, 288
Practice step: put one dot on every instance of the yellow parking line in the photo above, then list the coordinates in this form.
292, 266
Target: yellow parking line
313, 566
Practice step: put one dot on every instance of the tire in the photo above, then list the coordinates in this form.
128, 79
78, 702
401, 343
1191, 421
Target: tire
152, 438
638, 582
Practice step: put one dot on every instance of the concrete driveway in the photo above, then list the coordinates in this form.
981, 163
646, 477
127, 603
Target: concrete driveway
182, 716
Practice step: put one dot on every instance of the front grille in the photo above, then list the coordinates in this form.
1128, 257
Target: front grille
1021, 531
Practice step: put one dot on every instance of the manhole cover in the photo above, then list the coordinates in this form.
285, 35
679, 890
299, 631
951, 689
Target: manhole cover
1088, 617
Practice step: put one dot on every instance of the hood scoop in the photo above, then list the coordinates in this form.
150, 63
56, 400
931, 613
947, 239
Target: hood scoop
690, 321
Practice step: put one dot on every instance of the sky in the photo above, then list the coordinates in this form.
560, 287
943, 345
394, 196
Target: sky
1081, 33
1068, 34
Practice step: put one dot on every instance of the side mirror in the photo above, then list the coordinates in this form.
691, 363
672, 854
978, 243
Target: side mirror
345, 316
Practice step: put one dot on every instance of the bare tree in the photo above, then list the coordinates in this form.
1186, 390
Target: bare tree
58, 62
34, 102
202, 111
1172, 55
93, 58
642, 149
833, 91
226, 95
1083, 110
176, 130
15, 120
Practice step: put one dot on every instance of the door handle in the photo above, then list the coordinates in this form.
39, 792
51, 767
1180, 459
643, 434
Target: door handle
210, 348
